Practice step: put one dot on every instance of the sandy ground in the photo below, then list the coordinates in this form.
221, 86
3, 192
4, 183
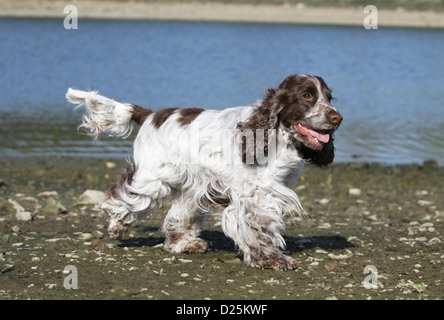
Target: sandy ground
298, 14
389, 219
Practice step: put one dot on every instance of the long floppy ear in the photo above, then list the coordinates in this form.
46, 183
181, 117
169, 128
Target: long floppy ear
319, 158
264, 118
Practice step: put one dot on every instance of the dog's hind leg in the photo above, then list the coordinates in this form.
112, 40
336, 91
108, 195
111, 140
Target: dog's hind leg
183, 224
131, 199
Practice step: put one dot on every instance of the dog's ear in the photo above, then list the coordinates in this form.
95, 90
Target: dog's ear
264, 119
319, 158
265, 116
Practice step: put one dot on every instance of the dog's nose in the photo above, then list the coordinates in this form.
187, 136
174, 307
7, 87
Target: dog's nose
334, 117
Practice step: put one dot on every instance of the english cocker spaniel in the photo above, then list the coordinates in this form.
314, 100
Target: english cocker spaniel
240, 159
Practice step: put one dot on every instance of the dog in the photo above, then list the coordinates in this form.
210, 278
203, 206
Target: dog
241, 159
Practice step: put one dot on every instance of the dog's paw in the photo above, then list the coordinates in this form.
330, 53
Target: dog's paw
286, 263
117, 230
275, 261
188, 246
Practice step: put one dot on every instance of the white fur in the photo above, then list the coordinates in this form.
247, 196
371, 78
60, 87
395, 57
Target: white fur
104, 115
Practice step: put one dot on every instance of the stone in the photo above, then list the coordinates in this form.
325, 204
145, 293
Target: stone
354, 192
17, 206
90, 197
110, 165
85, 236
98, 245
23, 216
53, 206
97, 234
48, 194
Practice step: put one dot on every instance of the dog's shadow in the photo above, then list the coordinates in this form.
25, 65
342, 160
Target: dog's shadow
219, 241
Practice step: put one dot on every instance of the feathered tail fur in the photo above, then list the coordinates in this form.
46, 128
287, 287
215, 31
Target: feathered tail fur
103, 115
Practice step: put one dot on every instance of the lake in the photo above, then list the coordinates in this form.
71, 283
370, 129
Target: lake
388, 82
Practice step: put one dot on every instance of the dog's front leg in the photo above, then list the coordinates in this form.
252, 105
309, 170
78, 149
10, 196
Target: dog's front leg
254, 227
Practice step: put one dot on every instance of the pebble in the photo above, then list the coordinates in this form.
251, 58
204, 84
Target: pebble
354, 192
352, 210
349, 254
90, 197
48, 194
325, 225
330, 266
85, 236
54, 240
98, 245
434, 240
425, 203
421, 193
18, 208
7, 269
165, 293
426, 225
271, 281
97, 234
353, 238
53, 206
110, 165
23, 216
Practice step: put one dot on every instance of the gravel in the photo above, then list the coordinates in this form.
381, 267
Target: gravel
394, 223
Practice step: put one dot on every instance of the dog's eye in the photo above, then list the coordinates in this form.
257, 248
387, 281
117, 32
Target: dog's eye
307, 96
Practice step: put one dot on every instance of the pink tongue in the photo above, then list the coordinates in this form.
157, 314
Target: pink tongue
321, 137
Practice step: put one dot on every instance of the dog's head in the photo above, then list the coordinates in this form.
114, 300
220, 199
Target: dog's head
301, 106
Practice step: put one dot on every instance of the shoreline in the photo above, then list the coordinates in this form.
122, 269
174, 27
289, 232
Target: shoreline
354, 163
218, 12
388, 217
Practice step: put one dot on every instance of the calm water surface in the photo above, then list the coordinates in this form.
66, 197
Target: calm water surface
389, 83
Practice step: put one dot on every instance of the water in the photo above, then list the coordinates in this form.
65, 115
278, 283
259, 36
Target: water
388, 82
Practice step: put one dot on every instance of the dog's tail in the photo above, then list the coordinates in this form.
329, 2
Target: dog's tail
104, 115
